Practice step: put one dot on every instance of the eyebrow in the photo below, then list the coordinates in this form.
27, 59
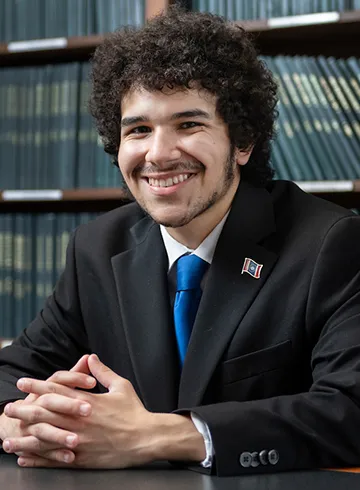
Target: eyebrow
129, 121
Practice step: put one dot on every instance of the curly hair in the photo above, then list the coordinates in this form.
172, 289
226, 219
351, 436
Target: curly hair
175, 50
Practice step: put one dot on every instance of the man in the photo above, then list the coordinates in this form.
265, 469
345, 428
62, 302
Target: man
269, 379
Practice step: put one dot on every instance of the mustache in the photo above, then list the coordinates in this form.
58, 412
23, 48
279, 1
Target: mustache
149, 169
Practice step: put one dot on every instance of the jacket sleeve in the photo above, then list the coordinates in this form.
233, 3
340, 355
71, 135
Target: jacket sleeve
318, 428
54, 341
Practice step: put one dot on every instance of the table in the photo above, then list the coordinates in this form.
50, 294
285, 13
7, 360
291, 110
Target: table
164, 477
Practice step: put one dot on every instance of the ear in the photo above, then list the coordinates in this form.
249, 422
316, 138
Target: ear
242, 156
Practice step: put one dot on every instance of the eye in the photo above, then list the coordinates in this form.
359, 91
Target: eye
190, 125
139, 130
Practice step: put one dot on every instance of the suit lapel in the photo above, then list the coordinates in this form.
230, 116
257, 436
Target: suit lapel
228, 294
141, 281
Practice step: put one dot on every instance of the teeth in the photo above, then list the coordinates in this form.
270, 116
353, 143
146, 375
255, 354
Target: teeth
168, 182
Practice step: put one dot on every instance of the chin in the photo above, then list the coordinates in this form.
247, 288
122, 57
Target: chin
171, 220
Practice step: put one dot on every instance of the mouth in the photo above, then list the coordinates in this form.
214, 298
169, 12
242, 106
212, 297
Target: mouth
168, 184
169, 181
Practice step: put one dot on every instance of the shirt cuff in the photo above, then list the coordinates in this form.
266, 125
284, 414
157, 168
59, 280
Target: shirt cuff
204, 430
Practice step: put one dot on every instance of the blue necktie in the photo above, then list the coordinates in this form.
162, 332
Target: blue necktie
190, 271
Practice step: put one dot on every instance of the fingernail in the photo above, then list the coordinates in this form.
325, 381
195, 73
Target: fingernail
89, 381
67, 458
21, 383
7, 409
21, 461
85, 409
6, 446
70, 440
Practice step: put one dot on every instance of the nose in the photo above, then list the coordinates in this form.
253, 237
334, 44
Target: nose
162, 148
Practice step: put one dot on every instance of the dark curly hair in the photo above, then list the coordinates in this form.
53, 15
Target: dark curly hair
178, 49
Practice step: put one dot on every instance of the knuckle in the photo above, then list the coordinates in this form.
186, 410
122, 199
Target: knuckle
52, 388
35, 415
125, 383
56, 376
37, 445
45, 400
37, 430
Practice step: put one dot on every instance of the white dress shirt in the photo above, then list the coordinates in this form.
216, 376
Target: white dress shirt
205, 251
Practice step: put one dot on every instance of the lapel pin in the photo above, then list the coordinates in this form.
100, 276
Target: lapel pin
252, 268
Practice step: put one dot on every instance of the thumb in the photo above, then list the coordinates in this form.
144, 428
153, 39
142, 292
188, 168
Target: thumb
82, 365
103, 374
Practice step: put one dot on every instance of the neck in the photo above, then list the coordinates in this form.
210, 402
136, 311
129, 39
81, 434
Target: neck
195, 232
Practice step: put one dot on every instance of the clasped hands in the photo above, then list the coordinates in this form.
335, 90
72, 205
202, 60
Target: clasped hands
59, 424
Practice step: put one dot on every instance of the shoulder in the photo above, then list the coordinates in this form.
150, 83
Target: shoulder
294, 208
111, 229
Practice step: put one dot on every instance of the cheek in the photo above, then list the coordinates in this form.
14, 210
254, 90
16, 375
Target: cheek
129, 156
202, 148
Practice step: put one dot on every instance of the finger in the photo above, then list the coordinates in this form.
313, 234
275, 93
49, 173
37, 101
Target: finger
53, 435
107, 377
35, 461
31, 444
39, 387
47, 409
73, 379
82, 365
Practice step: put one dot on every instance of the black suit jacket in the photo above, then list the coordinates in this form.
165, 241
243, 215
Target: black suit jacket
273, 363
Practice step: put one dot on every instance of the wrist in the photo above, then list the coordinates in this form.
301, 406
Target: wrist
176, 438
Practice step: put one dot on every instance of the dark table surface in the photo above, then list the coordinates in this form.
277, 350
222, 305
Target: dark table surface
164, 477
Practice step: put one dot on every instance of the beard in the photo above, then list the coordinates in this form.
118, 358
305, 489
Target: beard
201, 205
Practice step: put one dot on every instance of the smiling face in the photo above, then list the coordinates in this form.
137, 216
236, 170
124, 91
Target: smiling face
175, 156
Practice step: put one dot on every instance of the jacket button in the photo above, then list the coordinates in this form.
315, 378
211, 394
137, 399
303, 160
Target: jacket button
273, 456
255, 460
263, 456
245, 459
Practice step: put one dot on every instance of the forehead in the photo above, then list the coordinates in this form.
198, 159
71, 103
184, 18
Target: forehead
166, 102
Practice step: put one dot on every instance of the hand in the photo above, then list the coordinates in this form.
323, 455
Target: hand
37, 436
117, 434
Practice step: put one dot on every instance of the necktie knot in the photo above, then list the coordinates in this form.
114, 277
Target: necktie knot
190, 271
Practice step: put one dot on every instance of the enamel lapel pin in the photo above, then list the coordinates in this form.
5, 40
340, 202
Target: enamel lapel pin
252, 268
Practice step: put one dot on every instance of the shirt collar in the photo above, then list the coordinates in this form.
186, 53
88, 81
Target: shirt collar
205, 250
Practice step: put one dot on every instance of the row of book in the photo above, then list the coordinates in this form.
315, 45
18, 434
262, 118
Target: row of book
32, 257
38, 19
318, 129
48, 139
47, 136
266, 9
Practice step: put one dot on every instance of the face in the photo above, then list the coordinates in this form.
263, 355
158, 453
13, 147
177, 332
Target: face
175, 156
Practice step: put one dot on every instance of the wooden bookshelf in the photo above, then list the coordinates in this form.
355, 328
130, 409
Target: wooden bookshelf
315, 37
344, 193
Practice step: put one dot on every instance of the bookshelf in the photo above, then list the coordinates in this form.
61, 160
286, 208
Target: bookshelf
337, 35
310, 34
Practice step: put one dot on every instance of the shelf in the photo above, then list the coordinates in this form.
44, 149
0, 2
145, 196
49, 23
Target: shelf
68, 200
5, 342
314, 35
345, 193
58, 50
338, 35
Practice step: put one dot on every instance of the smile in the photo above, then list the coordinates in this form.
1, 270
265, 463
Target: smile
170, 181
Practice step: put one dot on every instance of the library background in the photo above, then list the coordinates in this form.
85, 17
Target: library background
54, 174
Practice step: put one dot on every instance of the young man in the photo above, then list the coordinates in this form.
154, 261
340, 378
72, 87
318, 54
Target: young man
262, 374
